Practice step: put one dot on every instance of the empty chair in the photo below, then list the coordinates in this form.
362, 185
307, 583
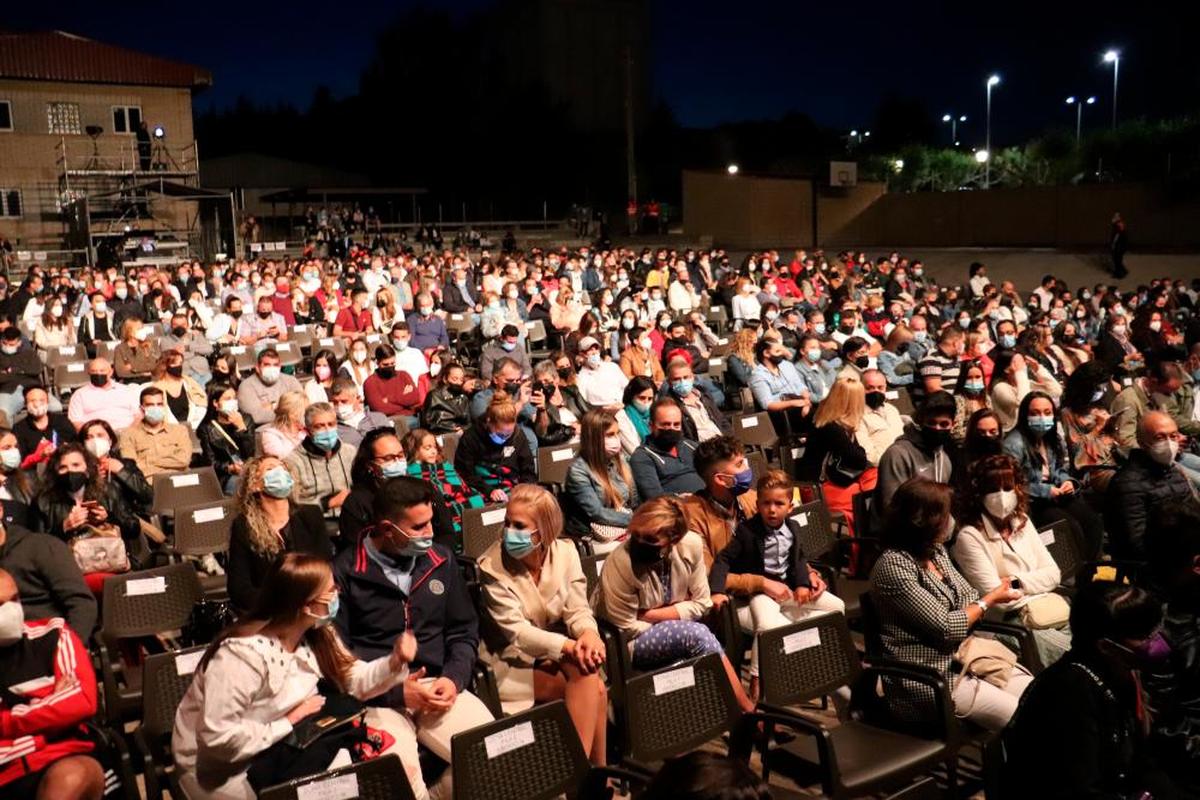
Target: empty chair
165, 679
755, 430
70, 375
182, 489
553, 463
380, 778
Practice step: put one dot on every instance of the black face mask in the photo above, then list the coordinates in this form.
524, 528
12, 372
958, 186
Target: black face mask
454, 388
72, 481
179, 332
667, 439
876, 399
776, 358
387, 373
644, 553
236, 314
98, 380
175, 371
936, 438
564, 373
862, 362
987, 446
264, 315
513, 388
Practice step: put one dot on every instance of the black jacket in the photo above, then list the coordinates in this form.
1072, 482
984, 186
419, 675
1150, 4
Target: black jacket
247, 568
222, 445
22, 368
438, 610
744, 555
1138, 492
454, 302
831, 439
55, 504
486, 466
48, 580
29, 437
445, 411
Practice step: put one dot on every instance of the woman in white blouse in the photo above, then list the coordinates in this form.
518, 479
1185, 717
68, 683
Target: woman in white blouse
259, 678
999, 541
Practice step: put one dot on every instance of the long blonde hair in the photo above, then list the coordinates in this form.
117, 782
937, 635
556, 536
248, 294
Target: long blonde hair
289, 410
845, 404
743, 345
263, 539
591, 449
542, 507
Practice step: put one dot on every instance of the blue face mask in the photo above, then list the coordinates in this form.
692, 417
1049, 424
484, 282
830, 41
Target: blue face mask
508, 346
499, 437
394, 469
814, 354
1008, 341
277, 482
154, 414
682, 388
415, 545
1039, 426
332, 611
326, 439
742, 481
518, 543
641, 407
920, 336
1098, 395
975, 387
819, 329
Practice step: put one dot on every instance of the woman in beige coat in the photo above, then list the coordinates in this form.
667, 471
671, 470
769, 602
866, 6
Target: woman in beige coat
539, 634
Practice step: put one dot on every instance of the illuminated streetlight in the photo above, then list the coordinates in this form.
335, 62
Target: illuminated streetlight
982, 156
1113, 57
987, 170
1079, 103
898, 164
732, 169
954, 119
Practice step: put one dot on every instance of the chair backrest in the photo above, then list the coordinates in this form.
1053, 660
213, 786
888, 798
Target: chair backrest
165, 679
449, 443
716, 368
480, 528
806, 660
758, 464
755, 429
1064, 548
534, 755
863, 505
535, 331
289, 353
553, 462
592, 566
335, 343
816, 531
380, 778
66, 354
204, 528
149, 601
459, 323
70, 375
244, 357
746, 400
678, 708
105, 349
181, 489
871, 626
902, 399
790, 455
302, 336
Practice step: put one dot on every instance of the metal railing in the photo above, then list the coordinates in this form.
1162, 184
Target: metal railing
109, 156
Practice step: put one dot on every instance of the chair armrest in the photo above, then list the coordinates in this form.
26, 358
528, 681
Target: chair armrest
918, 673
149, 768
1028, 652
771, 716
617, 659
729, 632
112, 692
486, 688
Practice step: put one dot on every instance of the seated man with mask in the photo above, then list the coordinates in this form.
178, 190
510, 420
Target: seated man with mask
702, 420
354, 421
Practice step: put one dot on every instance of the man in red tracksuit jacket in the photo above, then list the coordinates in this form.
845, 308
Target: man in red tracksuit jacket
47, 692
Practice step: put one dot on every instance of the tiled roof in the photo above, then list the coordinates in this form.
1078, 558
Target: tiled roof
60, 56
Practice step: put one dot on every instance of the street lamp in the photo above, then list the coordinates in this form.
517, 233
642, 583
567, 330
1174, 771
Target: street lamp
1114, 58
954, 120
1079, 103
898, 164
987, 166
856, 137
732, 169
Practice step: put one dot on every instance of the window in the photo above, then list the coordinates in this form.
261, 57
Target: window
5, 116
10, 202
126, 119
63, 117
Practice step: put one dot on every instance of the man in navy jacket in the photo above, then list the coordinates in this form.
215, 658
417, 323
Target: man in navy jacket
393, 580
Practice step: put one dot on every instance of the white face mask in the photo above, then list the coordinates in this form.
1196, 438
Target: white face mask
1000, 504
12, 621
98, 447
1164, 452
612, 445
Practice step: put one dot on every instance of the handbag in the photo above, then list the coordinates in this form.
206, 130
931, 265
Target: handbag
838, 473
986, 659
608, 533
314, 741
100, 548
1044, 611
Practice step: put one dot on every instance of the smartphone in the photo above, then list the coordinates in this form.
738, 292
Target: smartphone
1016, 583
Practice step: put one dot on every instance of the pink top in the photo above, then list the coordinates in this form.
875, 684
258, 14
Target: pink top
117, 404
277, 442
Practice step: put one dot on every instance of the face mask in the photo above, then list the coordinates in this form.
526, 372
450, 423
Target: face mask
1118, 330
72, 481
682, 387
154, 414
38, 411
323, 372
644, 553
936, 438
499, 437
875, 399
862, 362
1156, 326
264, 314
518, 543
964, 323
10, 350
270, 375
330, 612
359, 356
813, 354
1153, 651
122, 293
508, 346
12, 622
99, 307
416, 545
10, 459
426, 311
277, 482
593, 360
921, 336
742, 482
175, 371
326, 439
627, 324
394, 468
771, 316
819, 328
1008, 341
1164, 452
98, 381
1000, 504
973, 387
228, 407
668, 439
1039, 426
236, 314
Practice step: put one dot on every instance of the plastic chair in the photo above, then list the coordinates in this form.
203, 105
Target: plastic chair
146, 612
1064, 548
204, 530
810, 659
66, 354
165, 679
290, 354
592, 566
817, 539
70, 375
191, 487
537, 339
756, 430
380, 778
758, 464
480, 528
449, 443
553, 463
335, 343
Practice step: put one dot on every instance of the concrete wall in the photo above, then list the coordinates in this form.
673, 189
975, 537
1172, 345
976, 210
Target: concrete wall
28, 153
747, 211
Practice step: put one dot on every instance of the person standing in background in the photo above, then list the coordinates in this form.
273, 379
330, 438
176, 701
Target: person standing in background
1118, 243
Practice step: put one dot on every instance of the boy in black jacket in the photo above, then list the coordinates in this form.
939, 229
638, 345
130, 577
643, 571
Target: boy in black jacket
767, 548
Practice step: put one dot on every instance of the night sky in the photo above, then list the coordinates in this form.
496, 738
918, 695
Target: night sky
718, 61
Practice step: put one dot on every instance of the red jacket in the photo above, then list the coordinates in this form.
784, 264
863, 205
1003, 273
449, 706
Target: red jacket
396, 395
50, 670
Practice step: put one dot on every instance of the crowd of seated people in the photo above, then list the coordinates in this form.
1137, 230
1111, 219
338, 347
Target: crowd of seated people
361, 412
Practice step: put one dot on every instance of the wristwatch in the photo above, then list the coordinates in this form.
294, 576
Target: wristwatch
983, 606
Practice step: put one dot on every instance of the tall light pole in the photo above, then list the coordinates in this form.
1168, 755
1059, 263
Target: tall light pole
1079, 103
987, 148
1114, 58
954, 120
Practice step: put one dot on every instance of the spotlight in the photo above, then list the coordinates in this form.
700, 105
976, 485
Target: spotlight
159, 131
981, 156
732, 169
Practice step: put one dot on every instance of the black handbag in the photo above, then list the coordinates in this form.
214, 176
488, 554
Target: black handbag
839, 474
314, 741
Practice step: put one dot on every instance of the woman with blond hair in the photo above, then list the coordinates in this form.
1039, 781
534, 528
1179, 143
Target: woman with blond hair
745, 305
136, 355
566, 311
599, 485
833, 455
654, 589
493, 455
184, 396
286, 431
269, 523
386, 312
264, 675
741, 360
539, 635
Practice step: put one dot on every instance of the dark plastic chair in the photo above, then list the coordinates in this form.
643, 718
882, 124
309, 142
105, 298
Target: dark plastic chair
205, 528
592, 565
164, 683
553, 463
810, 659
191, 487
755, 430
758, 464
449, 443
1065, 549
380, 778
817, 539
477, 535
125, 617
